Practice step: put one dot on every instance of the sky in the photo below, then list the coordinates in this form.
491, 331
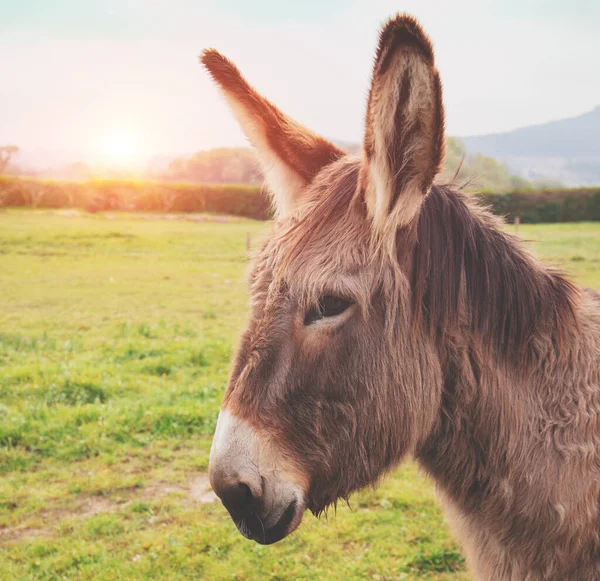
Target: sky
122, 78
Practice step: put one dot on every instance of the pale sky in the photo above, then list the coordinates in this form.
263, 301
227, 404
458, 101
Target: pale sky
78, 74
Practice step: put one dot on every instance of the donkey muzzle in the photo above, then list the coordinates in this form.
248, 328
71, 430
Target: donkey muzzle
261, 492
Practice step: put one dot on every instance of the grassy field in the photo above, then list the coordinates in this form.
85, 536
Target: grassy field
115, 339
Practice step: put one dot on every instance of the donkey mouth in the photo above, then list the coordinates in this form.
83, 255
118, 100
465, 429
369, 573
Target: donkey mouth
252, 526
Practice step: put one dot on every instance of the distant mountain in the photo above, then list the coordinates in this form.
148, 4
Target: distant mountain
567, 150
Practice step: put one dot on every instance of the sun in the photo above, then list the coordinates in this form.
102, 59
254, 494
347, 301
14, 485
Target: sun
120, 148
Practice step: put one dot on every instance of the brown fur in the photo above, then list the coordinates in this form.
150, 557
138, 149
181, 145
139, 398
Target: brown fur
278, 138
404, 123
460, 349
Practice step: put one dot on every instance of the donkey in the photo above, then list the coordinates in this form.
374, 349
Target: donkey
391, 317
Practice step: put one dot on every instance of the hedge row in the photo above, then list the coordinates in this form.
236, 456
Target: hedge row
102, 195
566, 205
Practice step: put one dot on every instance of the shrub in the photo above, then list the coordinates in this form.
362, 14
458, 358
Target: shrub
106, 195
533, 206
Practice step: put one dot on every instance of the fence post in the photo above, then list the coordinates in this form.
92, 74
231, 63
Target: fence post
517, 222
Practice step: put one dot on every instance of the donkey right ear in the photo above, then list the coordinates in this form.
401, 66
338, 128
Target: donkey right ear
290, 155
404, 132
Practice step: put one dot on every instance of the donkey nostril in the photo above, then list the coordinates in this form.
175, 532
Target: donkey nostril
238, 498
246, 496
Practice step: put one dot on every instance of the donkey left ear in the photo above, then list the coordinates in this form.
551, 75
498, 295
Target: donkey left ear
290, 155
404, 132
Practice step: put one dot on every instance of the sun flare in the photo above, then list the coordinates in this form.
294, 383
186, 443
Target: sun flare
119, 148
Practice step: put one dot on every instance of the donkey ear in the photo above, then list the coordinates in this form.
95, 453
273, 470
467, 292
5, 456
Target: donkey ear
404, 133
290, 155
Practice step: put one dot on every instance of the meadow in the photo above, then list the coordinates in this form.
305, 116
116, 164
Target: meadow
116, 332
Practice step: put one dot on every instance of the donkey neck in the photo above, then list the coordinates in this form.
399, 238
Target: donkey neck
511, 344
514, 454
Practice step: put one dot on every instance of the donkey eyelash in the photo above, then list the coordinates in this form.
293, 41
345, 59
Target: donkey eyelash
327, 306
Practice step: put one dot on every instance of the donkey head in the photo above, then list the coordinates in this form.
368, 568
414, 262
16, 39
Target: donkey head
332, 382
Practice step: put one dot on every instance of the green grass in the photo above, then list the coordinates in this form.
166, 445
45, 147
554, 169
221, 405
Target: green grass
575, 247
115, 340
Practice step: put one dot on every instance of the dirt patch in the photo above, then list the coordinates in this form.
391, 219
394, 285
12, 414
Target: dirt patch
172, 217
196, 491
201, 491
69, 213
161, 489
10, 535
133, 215
90, 507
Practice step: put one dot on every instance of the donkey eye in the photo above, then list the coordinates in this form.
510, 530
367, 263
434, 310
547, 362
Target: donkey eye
328, 306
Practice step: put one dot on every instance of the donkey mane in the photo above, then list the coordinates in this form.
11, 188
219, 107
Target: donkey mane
470, 275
